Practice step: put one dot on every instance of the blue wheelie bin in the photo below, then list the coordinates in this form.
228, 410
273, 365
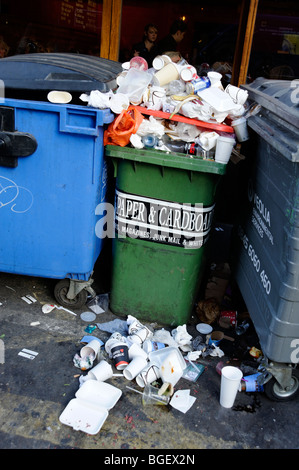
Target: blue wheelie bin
52, 171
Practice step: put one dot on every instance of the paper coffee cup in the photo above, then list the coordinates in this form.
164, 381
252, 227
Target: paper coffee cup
120, 356
114, 339
135, 366
148, 375
102, 371
168, 73
240, 128
230, 381
224, 147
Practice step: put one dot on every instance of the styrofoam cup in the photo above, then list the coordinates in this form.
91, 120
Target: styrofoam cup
188, 73
102, 371
135, 350
240, 128
230, 381
135, 366
224, 147
93, 347
168, 73
148, 375
140, 336
238, 95
161, 60
215, 79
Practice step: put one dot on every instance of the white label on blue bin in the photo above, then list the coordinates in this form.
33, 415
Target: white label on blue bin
171, 223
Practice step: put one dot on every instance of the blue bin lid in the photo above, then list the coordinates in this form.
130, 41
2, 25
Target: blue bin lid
59, 71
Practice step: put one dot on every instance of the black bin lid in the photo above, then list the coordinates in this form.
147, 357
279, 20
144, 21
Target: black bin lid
59, 71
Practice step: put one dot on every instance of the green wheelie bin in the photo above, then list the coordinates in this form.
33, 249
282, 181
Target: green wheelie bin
164, 204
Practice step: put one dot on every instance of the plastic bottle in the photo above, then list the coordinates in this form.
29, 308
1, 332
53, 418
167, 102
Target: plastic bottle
240, 330
180, 146
149, 140
176, 87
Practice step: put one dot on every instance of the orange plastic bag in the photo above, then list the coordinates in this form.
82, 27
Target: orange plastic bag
123, 126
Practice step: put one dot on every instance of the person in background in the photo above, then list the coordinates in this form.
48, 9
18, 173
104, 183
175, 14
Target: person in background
147, 47
175, 36
4, 49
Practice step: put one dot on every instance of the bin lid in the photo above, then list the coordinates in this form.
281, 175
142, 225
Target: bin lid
278, 120
59, 71
165, 159
280, 97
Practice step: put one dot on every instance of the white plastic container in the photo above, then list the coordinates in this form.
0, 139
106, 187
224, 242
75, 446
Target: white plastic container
170, 362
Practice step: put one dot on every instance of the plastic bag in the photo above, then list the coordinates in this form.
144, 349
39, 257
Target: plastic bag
123, 126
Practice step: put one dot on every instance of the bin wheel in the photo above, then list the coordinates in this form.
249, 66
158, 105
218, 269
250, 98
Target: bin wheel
275, 392
60, 292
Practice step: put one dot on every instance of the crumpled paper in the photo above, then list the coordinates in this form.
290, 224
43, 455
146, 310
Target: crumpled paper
97, 99
182, 338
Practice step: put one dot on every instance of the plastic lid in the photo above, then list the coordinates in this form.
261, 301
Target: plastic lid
204, 328
88, 316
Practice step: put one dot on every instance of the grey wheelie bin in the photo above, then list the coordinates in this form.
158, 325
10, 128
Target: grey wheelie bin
52, 170
267, 234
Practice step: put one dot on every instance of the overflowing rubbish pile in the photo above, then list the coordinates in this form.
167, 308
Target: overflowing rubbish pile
152, 361
170, 107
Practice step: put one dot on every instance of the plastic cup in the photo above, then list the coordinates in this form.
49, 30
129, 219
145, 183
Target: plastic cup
224, 147
93, 347
120, 356
102, 371
168, 73
240, 128
148, 375
238, 95
151, 397
138, 63
135, 366
230, 382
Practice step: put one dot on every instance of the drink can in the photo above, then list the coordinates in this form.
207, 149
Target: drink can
197, 84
